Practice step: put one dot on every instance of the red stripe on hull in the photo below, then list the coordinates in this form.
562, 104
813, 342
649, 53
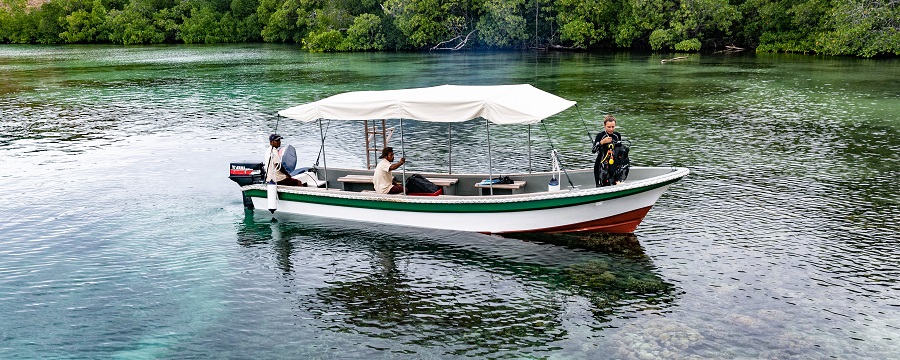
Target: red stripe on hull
624, 223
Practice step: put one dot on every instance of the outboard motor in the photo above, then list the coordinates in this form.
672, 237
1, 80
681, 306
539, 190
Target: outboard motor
247, 173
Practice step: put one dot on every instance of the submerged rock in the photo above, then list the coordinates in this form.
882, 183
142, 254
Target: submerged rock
656, 339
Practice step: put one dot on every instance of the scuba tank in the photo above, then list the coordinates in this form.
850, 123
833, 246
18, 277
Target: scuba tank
610, 163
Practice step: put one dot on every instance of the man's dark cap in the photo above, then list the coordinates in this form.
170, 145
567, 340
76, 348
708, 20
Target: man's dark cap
385, 151
274, 137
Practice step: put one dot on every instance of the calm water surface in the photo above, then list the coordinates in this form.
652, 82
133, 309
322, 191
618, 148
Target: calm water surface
124, 238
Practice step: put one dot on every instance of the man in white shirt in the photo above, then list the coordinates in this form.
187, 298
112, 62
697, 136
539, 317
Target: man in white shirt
274, 170
383, 179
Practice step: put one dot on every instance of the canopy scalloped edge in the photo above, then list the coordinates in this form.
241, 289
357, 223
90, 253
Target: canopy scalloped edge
500, 104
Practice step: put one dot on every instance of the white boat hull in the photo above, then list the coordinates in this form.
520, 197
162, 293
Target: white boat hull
566, 219
616, 209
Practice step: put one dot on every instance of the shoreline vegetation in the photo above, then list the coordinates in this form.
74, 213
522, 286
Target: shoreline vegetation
864, 28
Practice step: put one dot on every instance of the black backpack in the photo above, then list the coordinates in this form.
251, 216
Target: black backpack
620, 153
416, 183
618, 171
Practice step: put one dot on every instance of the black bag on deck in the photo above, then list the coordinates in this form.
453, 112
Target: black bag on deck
416, 183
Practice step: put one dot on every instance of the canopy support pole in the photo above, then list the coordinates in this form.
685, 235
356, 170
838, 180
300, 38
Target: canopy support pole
449, 148
324, 162
529, 148
403, 155
322, 146
487, 125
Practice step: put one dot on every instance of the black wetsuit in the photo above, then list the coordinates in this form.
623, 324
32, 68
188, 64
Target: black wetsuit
604, 172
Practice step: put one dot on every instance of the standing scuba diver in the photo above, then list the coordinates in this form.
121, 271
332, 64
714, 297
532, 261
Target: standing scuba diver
605, 167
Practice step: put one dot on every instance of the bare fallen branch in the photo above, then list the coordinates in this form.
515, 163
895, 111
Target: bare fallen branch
674, 59
560, 47
438, 46
458, 46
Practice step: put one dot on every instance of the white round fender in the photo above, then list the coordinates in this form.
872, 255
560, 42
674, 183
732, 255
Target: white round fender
272, 192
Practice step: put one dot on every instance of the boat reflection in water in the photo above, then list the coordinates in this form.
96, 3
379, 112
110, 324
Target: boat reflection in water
469, 294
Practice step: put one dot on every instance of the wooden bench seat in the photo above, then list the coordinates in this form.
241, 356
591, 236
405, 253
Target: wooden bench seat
356, 179
514, 188
349, 180
443, 182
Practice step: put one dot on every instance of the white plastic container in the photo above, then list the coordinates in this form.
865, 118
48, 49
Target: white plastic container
553, 185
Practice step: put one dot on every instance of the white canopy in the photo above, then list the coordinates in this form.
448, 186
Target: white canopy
501, 104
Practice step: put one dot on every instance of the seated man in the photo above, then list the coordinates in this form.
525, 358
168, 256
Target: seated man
383, 179
274, 169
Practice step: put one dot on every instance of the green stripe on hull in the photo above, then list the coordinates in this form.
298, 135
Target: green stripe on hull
457, 207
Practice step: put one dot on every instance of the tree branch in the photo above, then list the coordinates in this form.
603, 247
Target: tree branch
437, 47
458, 46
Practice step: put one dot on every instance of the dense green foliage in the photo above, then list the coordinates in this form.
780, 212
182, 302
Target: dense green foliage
846, 27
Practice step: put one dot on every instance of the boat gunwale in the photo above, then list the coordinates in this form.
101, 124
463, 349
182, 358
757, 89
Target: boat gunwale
523, 202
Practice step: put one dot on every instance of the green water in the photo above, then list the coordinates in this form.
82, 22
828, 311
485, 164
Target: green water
125, 239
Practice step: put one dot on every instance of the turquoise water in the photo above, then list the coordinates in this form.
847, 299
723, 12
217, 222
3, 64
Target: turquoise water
124, 238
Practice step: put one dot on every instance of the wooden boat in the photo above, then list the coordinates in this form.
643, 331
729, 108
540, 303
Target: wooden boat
528, 204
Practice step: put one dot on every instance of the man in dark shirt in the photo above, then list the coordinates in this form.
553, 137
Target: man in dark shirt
605, 167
